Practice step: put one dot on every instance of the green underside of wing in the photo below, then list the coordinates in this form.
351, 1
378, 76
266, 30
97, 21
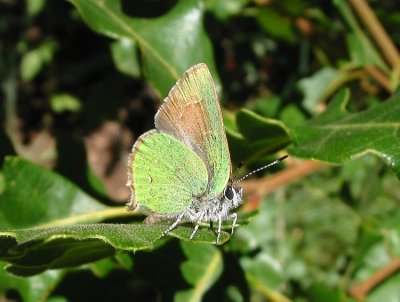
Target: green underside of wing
166, 174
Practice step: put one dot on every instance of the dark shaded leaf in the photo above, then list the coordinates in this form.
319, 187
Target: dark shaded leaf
32, 289
255, 136
32, 251
169, 44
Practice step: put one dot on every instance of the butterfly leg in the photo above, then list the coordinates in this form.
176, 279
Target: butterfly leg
196, 227
234, 216
219, 228
212, 227
174, 225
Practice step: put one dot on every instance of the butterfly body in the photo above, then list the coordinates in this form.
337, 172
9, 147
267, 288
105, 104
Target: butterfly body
211, 210
181, 171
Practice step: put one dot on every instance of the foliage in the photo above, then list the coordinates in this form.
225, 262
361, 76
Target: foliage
310, 77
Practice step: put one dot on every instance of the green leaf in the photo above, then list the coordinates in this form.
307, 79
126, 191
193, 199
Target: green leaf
34, 60
276, 24
32, 251
319, 292
264, 274
64, 102
316, 86
202, 269
30, 289
34, 196
267, 105
262, 130
103, 267
225, 9
169, 44
370, 237
125, 55
95, 182
255, 136
291, 115
34, 7
337, 135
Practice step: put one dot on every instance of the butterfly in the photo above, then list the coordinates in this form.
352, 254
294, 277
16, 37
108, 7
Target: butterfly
181, 170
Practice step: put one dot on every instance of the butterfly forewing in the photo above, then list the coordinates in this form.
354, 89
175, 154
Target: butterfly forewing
165, 175
192, 114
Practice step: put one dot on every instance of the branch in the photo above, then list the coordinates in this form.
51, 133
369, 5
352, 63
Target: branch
378, 33
360, 291
257, 188
379, 77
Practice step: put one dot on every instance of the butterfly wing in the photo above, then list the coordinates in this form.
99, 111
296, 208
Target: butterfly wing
192, 114
164, 174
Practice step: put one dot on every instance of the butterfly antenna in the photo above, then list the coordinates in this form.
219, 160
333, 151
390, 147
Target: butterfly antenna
264, 167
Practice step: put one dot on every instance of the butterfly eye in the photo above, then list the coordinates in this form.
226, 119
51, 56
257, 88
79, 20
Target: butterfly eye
229, 193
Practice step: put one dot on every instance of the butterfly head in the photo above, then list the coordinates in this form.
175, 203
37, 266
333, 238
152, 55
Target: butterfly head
233, 195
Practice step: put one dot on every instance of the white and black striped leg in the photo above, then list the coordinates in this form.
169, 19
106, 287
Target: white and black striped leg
196, 227
234, 216
219, 228
174, 225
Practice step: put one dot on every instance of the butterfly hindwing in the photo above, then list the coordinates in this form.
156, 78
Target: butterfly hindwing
192, 114
165, 175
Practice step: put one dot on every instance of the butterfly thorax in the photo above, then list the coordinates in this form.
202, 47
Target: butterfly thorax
216, 208
212, 209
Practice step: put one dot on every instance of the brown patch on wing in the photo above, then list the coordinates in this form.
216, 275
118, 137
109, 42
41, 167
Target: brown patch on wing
188, 123
192, 114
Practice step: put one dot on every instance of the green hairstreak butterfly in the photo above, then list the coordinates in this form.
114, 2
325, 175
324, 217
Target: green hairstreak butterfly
181, 171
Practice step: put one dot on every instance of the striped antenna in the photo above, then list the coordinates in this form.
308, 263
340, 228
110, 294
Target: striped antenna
262, 168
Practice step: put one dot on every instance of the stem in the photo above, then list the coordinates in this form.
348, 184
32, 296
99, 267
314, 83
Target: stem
264, 186
379, 77
359, 291
378, 33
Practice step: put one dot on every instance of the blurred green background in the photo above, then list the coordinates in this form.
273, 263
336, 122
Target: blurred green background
82, 79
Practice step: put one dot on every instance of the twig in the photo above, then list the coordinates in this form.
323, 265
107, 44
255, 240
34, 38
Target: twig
264, 186
378, 33
379, 77
360, 291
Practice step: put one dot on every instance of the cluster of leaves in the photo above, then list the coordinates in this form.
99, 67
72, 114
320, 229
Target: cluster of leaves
74, 65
